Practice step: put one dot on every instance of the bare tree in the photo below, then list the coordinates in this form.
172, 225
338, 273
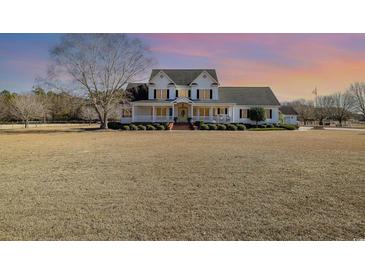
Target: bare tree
323, 105
100, 65
304, 108
27, 107
88, 113
342, 106
358, 92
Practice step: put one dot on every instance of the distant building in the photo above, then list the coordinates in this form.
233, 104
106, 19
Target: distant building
289, 115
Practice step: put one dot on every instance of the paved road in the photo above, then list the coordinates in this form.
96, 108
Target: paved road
333, 128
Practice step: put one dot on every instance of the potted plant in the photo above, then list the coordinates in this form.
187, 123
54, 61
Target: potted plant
189, 120
175, 119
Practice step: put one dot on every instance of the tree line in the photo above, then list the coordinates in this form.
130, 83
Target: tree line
340, 106
42, 106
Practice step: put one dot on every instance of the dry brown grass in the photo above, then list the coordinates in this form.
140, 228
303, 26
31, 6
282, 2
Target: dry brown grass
111, 185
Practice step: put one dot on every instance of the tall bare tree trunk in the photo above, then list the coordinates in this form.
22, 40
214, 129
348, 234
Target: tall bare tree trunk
25, 123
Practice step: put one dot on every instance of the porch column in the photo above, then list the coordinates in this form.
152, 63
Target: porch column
173, 111
153, 114
132, 112
211, 114
232, 114
192, 112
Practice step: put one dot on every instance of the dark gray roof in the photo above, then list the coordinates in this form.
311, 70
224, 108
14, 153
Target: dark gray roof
248, 96
288, 110
184, 76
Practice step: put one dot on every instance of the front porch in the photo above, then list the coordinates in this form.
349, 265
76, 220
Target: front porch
181, 110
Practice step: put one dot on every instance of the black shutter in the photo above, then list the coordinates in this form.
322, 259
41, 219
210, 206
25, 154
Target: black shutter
197, 93
189, 93
270, 113
211, 94
248, 113
219, 110
170, 112
168, 94
226, 110
241, 110
176, 94
154, 94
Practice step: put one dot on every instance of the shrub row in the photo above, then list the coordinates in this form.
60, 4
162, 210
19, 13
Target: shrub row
139, 126
232, 127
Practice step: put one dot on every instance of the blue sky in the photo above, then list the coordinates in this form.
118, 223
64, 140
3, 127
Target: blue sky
291, 64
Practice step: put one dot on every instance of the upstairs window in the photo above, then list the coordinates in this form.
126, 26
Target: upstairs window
205, 94
161, 94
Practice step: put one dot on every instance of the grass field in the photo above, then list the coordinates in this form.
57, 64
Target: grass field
69, 184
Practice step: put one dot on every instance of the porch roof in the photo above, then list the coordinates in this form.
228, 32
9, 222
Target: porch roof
177, 101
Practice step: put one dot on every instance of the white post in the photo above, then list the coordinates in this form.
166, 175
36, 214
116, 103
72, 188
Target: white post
173, 112
132, 113
153, 114
211, 114
192, 113
232, 115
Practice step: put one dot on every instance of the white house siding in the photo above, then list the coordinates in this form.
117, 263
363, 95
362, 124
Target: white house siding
161, 83
290, 119
204, 83
273, 120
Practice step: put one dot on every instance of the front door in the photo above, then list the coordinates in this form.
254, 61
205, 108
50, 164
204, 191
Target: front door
183, 114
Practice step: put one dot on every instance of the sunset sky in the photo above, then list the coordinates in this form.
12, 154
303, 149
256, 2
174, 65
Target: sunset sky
291, 64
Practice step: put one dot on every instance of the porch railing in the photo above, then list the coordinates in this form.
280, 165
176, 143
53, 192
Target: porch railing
221, 118
149, 118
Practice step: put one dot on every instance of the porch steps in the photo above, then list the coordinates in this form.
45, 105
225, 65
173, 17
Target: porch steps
182, 126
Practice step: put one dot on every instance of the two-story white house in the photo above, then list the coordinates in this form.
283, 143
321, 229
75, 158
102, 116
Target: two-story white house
195, 94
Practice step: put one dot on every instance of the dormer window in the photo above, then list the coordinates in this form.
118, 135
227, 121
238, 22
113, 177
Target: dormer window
204, 76
161, 76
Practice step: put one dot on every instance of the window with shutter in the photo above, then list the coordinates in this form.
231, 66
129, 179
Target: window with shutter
170, 111
226, 110
248, 113
218, 110
241, 116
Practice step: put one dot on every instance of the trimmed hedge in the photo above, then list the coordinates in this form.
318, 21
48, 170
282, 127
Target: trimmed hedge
212, 127
115, 125
126, 127
141, 127
231, 127
133, 127
204, 127
160, 127
150, 127
221, 127
266, 129
289, 127
241, 127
